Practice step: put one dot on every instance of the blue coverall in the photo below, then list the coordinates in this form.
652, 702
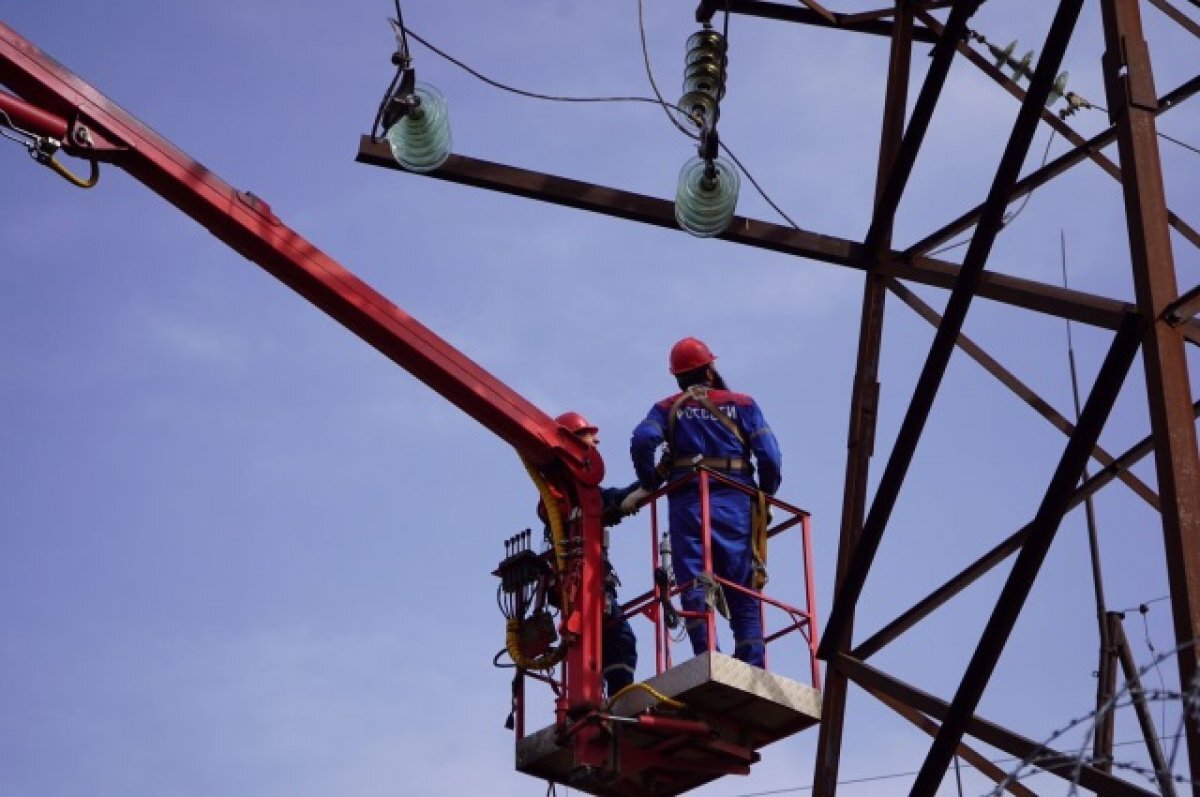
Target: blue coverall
619, 645
619, 657
697, 432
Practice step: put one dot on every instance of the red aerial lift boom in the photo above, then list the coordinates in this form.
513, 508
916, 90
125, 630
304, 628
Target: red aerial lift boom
53, 110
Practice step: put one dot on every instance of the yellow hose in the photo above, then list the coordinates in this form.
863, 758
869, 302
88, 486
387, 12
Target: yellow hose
553, 514
645, 687
550, 658
546, 661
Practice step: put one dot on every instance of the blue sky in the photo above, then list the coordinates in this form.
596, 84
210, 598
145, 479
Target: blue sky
242, 553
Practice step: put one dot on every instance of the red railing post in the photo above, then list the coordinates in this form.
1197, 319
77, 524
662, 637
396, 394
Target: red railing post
810, 597
660, 628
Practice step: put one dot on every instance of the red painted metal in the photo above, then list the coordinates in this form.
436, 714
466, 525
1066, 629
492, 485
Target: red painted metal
53, 96
595, 737
31, 118
56, 103
803, 619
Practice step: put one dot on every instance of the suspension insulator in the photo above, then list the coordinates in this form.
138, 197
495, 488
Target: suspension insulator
704, 76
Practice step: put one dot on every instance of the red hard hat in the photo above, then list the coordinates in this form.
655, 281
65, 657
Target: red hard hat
690, 354
576, 423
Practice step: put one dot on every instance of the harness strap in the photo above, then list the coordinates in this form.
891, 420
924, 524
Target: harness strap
700, 394
759, 519
716, 463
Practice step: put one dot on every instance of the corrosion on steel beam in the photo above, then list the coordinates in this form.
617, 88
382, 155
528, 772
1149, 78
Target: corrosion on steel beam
792, 13
1174, 13
1133, 685
1184, 308
1062, 765
1129, 87
1053, 300
1045, 526
955, 314
969, 754
1045, 174
864, 400
998, 554
1023, 391
887, 13
887, 199
1061, 127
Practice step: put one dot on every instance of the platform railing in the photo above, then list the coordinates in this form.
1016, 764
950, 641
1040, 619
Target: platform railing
800, 619
652, 604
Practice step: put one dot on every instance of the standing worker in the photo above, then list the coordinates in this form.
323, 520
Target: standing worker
618, 643
710, 425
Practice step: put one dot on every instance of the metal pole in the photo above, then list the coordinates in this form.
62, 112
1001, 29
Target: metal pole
965, 288
1106, 687
1133, 681
863, 407
1129, 86
1029, 562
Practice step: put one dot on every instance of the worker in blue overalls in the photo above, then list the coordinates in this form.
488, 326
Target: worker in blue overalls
619, 645
715, 427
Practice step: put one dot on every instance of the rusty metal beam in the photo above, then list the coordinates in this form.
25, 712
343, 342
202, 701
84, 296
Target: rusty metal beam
1048, 172
864, 400
820, 10
887, 198
1023, 391
1133, 685
1028, 294
1061, 127
955, 314
1177, 15
1184, 308
1129, 87
980, 567
1044, 528
792, 13
887, 13
1106, 689
969, 754
1051, 761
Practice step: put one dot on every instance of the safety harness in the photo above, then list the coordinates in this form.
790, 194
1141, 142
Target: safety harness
760, 511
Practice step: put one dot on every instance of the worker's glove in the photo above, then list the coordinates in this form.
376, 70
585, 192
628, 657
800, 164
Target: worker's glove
633, 502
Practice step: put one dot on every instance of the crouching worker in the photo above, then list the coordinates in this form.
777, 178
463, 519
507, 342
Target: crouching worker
619, 645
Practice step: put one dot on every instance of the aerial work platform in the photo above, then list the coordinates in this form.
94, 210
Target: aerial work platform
730, 711
691, 722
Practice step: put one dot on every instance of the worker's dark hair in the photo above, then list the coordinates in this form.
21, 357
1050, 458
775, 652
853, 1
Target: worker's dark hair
696, 376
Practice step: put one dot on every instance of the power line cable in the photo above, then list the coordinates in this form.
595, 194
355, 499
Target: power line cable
1161, 134
650, 76
513, 89
1138, 608
1183, 144
1008, 218
658, 100
1144, 609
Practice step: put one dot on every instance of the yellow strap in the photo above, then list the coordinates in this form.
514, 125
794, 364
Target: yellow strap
758, 539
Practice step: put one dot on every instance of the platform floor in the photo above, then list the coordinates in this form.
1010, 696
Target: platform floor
747, 708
